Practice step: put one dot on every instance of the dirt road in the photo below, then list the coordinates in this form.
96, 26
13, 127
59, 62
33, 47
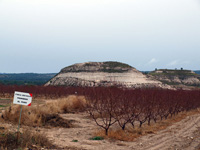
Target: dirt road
183, 135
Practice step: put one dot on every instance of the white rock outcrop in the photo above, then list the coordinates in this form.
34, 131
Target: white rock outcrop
93, 74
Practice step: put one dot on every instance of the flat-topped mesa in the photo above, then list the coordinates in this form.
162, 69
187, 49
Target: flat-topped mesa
93, 74
177, 78
109, 67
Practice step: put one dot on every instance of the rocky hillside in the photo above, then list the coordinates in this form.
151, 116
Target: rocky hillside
91, 74
176, 77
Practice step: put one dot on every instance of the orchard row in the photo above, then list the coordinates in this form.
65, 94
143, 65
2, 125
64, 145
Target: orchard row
109, 106
112, 105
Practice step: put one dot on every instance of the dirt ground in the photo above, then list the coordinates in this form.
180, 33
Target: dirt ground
183, 135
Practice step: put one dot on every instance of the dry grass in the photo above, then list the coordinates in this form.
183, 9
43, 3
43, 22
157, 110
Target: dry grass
64, 105
27, 139
130, 134
45, 114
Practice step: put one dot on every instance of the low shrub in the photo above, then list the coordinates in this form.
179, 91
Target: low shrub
74, 140
65, 105
97, 138
46, 114
27, 139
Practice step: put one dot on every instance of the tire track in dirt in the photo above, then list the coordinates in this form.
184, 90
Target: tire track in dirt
176, 136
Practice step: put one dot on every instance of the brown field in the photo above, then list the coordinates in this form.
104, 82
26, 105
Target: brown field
64, 124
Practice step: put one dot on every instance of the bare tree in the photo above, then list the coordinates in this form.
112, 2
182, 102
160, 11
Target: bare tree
101, 108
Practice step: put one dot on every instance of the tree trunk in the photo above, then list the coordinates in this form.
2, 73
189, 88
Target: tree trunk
123, 127
141, 124
106, 131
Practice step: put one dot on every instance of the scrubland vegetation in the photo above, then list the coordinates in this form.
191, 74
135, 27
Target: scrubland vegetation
27, 139
122, 114
46, 114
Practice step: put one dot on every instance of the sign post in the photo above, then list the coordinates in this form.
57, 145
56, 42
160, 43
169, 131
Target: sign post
20, 118
21, 98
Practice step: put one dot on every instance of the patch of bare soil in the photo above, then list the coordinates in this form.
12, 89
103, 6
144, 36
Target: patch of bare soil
54, 120
183, 135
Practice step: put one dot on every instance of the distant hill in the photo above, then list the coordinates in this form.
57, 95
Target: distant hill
110, 73
197, 71
25, 78
176, 77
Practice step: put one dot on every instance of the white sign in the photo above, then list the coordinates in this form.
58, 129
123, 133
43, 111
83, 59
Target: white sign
22, 98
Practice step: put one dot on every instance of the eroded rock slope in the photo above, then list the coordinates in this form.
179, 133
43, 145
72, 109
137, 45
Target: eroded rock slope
92, 74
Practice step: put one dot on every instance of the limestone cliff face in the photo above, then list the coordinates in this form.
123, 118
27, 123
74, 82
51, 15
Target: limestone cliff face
93, 74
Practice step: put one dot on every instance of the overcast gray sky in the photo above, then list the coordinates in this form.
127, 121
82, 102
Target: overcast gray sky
44, 36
